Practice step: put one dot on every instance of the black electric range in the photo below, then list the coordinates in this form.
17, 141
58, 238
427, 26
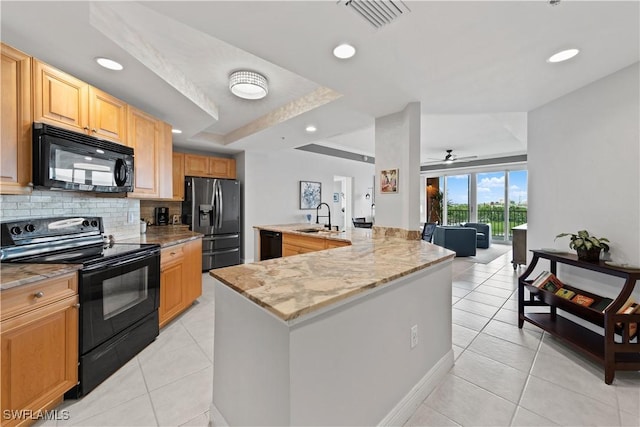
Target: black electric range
118, 287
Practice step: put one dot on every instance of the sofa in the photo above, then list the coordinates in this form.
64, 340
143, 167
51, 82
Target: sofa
462, 240
483, 236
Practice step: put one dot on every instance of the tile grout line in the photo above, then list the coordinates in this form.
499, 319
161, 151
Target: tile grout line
144, 378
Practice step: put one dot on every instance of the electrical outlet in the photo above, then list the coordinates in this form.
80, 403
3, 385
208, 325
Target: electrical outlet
132, 218
414, 336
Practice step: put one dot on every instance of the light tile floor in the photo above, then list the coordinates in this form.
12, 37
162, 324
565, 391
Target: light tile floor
503, 376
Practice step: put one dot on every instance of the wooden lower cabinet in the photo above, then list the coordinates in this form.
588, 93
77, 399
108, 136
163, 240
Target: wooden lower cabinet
39, 345
295, 244
336, 244
180, 278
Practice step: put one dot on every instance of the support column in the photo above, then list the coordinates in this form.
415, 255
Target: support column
398, 148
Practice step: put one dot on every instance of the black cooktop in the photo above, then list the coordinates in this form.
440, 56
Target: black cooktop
64, 240
92, 255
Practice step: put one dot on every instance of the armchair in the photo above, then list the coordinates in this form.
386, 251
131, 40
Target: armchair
462, 240
483, 231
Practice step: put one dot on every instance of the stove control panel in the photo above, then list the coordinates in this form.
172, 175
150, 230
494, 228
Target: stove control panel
16, 232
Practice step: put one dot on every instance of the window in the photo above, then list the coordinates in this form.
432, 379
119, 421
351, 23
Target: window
498, 198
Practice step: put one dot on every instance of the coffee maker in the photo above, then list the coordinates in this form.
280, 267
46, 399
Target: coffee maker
161, 216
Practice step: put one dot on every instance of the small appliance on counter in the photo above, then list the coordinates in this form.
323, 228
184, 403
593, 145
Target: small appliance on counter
161, 216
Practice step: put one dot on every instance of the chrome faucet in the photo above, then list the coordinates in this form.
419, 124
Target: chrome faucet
323, 216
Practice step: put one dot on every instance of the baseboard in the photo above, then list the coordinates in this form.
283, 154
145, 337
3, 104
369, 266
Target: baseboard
401, 413
215, 417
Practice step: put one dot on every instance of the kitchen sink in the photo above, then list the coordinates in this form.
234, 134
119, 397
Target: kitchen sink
310, 230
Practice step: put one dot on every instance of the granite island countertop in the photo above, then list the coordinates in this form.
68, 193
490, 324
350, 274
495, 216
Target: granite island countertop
164, 235
12, 275
293, 286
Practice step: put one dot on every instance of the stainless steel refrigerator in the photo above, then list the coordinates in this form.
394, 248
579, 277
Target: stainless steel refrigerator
212, 207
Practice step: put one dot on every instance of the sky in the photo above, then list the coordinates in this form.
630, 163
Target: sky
490, 187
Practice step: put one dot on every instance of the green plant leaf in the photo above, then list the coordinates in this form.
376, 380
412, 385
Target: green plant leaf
583, 233
578, 243
563, 235
588, 244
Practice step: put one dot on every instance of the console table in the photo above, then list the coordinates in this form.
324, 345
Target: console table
618, 348
519, 245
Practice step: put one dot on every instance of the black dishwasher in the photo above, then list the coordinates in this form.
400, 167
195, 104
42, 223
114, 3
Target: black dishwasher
270, 244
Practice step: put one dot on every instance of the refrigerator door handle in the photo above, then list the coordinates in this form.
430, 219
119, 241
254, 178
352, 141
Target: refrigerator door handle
214, 203
221, 207
193, 204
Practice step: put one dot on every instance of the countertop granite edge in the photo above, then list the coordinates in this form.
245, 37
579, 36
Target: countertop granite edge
262, 282
164, 237
14, 275
17, 274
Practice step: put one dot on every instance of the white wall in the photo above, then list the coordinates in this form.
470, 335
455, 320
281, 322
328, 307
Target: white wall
584, 166
271, 185
398, 146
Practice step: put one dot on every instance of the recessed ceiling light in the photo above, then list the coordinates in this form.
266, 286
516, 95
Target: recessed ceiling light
563, 55
176, 131
311, 128
344, 51
109, 64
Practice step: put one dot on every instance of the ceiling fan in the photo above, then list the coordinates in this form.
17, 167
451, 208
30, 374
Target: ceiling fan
450, 158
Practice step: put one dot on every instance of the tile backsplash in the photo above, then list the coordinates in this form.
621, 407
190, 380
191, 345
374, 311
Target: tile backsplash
115, 211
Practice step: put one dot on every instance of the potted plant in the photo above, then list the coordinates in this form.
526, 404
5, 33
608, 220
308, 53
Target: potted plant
587, 246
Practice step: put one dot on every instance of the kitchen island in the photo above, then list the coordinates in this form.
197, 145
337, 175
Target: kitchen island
356, 335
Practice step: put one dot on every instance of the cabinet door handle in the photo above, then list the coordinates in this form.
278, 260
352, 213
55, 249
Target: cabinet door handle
77, 305
85, 128
38, 294
94, 131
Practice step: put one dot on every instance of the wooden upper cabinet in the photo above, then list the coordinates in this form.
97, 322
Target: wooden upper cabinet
107, 116
67, 102
15, 143
211, 167
144, 138
165, 161
178, 176
222, 168
196, 165
60, 99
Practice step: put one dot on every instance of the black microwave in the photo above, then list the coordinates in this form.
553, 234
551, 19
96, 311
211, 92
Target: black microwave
72, 161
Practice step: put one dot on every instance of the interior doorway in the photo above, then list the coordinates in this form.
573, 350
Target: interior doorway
342, 205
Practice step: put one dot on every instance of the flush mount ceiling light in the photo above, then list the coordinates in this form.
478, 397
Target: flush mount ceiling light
344, 51
311, 128
563, 55
176, 131
248, 85
109, 64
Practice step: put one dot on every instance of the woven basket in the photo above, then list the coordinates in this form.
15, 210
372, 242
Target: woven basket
591, 255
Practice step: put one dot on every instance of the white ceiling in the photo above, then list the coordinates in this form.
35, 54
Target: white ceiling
476, 67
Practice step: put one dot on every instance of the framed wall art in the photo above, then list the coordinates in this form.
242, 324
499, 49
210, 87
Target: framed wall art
389, 181
310, 194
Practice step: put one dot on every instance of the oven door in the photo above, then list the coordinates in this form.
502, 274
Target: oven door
115, 295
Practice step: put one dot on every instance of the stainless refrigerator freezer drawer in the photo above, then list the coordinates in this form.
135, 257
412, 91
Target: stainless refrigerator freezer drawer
213, 243
220, 258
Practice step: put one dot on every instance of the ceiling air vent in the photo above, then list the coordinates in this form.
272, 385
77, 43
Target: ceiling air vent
377, 12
